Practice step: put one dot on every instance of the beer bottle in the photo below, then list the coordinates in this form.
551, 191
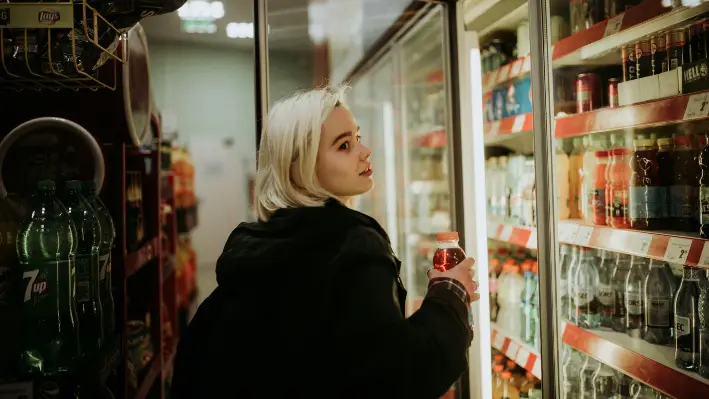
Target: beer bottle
108, 234
88, 303
49, 345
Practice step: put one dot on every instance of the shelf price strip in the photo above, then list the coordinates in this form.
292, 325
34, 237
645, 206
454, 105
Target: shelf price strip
516, 351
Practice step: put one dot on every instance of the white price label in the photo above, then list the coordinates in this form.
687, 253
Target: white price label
522, 356
697, 106
527, 65
614, 25
512, 349
567, 232
516, 68
677, 250
704, 257
499, 340
503, 73
537, 369
506, 233
532, 242
617, 239
639, 243
519, 123
491, 230
583, 237
494, 129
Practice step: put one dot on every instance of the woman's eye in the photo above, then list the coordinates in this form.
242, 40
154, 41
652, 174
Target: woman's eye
345, 145
359, 139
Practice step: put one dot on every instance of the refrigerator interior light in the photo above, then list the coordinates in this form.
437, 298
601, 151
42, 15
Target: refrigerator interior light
241, 30
201, 10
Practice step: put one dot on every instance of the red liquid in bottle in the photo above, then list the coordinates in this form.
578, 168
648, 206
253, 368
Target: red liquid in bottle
448, 253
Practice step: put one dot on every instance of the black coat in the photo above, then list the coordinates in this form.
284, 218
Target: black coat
310, 304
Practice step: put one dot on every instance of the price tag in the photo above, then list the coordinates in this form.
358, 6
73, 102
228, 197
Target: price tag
614, 25
677, 250
499, 340
502, 74
639, 243
516, 68
532, 242
697, 106
704, 257
537, 369
494, 129
567, 232
4, 16
519, 123
583, 236
616, 240
512, 349
506, 233
527, 65
491, 230
522, 356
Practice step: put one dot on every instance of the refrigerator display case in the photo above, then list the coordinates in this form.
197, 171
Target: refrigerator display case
595, 145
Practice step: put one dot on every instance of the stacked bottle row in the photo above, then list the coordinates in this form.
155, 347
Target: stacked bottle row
640, 297
655, 183
514, 295
59, 300
510, 381
585, 377
511, 189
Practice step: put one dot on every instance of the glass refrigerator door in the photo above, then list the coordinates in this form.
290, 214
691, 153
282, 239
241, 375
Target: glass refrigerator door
423, 162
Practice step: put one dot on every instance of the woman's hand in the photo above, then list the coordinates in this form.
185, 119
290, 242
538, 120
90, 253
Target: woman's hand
463, 273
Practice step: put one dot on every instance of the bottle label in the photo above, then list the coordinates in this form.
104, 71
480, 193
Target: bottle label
5, 275
584, 296
619, 308
83, 278
648, 202
599, 202
634, 303
683, 326
619, 203
606, 295
563, 287
104, 264
493, 285
43, 283
704, 204
658, 311
683, 202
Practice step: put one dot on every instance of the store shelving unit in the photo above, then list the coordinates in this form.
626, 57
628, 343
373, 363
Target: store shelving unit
524, 355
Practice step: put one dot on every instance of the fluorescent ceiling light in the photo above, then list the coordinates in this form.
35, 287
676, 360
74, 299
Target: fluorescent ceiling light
200, 9
240, 30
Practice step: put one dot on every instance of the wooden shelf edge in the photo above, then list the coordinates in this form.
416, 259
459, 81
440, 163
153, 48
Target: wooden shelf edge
137, 259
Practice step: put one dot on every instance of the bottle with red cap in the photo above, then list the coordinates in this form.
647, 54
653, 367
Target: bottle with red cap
506, 392
448, 254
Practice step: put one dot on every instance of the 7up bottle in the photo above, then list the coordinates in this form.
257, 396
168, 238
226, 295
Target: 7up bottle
49, 345
108, 234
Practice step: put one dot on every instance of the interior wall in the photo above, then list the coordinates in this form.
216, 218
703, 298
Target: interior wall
206, 94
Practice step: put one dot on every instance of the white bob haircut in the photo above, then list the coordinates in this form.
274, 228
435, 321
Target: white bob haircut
286, 176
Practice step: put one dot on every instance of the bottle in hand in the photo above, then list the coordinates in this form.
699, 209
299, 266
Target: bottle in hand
448, 254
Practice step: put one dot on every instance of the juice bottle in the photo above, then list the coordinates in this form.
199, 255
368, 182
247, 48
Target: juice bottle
647, 195
619, 173
575, 172
588, 180
664, 165
684, 191
497, 380
562, 179
599, 188
609, 209
448, 254
508, 390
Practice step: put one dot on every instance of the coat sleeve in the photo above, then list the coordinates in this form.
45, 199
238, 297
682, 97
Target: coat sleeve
382, 353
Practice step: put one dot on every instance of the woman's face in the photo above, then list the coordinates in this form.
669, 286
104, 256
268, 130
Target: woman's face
343, 166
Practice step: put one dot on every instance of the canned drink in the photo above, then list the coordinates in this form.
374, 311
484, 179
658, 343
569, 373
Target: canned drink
658, 47
674, 40
613, 101
588, 92
643, 57
629, 63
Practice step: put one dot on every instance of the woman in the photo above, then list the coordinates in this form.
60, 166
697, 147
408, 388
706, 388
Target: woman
309, 302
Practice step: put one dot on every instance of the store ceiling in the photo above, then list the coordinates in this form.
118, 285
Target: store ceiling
288, 22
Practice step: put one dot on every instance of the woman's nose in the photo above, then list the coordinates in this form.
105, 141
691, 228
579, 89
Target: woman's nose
366, 152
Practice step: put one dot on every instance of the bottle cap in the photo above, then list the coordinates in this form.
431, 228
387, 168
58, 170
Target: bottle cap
602, 154
498, 357
535, 267
447, 236
498, 368
73, 185
526, 266
46, 185
619, 151
506, 375
511, 364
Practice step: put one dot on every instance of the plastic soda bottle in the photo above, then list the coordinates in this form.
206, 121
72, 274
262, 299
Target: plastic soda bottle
448, 254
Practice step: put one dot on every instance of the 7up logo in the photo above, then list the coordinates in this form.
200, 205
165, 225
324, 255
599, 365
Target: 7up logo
34, 287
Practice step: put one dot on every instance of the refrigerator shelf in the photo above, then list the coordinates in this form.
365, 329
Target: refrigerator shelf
654, 365
513, 70
487, 16
516, 235
666, 111
524, 355
494, 131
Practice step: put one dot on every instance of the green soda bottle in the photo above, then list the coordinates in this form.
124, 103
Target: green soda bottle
88, 237
108, 234
49, 346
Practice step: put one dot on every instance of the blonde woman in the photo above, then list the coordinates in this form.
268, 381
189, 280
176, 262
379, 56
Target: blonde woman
309, 302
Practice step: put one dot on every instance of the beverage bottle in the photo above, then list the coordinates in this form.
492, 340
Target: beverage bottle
618, 185
502, 194
606, 295
562, 181
535, 308
568, 256
598, 205
686, 311
526, 386
494, 271
618, 277
497, 380
704, 328
511, 304
570, 373
88, 238
490, 182
571, 288
575, 173
108, 234
449, 254
704, 192
586, 283
515, 380
605, 382
527, 328
634, 295
49, 345
659, 300
528, 210
588, 370
684, 189
588, 180
506, 391
664, 165
498, 358
647, 194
